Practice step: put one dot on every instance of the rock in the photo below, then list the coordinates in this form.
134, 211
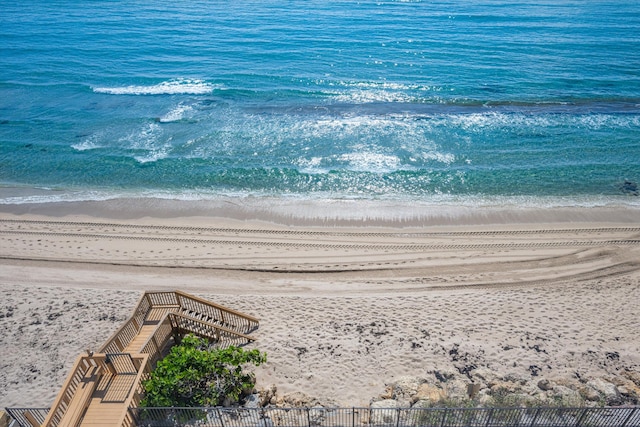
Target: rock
484, 398
386, 403
566, 396
629, 187
422, 404
427, 392
485, 376
388, 393
406, 387
516, 379
531, 388
456, 389
589, 393
384, 412
267, 395
253, 401
545, 385
633, 376
297, 399
5, 420
541, 399
505, 387
630, 397
626, 387
567, 382
403, 390
608, 391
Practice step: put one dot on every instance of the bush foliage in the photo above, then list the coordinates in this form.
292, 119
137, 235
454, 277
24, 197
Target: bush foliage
195, 375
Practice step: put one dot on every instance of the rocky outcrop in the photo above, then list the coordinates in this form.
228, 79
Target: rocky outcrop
483, 387
480, 387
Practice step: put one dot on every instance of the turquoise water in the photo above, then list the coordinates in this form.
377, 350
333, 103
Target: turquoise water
389, 100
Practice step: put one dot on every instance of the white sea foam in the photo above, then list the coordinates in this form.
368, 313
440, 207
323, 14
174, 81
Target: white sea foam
170, 87
150, 139
480, 121
384, 85
176, 114
311, 166
446, 158
145, 138
371, 162
370, 96
88, 143
152, 156
359, 92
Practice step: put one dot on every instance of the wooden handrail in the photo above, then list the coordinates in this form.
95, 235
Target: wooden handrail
135, 314
217, 328
83, 364
219, 307
159, 339
32, 420
124, 335
133, 398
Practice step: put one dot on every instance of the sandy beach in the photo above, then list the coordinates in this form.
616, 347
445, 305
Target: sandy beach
345, 310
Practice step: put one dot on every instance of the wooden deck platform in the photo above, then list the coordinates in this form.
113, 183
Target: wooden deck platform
102, 386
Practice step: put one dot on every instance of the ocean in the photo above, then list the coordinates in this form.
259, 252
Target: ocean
425, 103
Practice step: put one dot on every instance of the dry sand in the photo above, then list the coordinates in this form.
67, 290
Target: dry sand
343, 310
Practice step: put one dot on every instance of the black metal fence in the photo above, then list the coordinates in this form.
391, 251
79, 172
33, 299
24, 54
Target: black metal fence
368, 417
374, 417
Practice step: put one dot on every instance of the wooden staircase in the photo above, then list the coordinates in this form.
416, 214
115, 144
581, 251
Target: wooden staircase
102, 386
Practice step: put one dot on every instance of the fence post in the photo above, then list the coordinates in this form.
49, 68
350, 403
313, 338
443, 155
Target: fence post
398, 418
220, 417
535, 418
629, 417
444, 417
134, 417
353, 417
582, 415
489, 417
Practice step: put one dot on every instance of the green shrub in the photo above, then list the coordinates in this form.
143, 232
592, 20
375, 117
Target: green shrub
192, 374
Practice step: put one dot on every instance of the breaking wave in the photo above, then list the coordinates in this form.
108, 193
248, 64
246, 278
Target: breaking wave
170, 87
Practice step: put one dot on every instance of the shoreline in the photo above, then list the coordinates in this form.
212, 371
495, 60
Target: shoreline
345, 311
323, 214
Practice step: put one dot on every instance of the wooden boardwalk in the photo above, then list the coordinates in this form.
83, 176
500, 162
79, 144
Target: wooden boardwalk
103, 386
